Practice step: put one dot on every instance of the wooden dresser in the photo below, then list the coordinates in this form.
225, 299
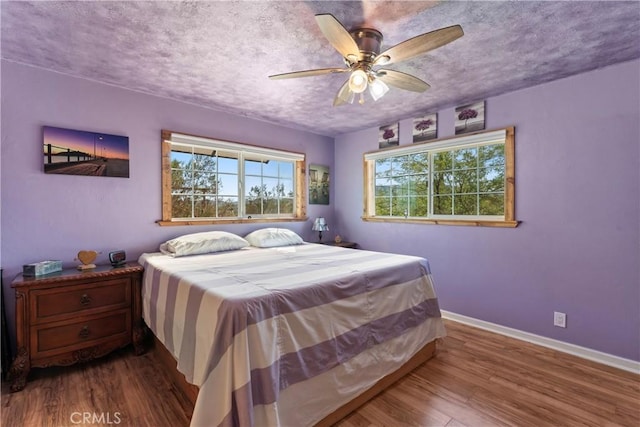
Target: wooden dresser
75, 316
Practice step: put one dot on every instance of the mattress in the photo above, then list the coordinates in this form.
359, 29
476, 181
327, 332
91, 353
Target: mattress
284, 336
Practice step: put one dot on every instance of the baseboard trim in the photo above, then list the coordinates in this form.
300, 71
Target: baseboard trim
576, 350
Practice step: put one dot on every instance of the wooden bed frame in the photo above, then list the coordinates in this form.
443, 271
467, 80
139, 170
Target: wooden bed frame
190, 391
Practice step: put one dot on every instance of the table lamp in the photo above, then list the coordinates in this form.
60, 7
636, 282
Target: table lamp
320, 225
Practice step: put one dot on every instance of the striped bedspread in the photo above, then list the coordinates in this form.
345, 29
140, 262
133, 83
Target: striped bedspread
284, 336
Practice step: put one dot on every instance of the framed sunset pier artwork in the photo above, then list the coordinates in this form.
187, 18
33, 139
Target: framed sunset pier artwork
76, 152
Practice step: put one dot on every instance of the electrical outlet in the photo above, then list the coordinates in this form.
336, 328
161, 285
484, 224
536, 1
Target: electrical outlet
559, 319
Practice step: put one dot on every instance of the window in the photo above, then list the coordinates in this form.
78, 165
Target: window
465, 180
211, 181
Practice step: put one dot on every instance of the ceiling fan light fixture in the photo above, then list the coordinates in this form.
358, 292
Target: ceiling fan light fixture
358, 81
360, 51
377, 89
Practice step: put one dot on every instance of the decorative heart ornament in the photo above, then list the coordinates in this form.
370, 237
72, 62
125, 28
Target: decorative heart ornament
87, 257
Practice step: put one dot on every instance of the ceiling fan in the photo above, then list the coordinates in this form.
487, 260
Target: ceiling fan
360, 49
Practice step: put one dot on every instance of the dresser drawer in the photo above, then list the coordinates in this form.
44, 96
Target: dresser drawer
53, 304
65, 336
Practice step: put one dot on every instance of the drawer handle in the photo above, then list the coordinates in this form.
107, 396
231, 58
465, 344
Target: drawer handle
85, 299
84, 332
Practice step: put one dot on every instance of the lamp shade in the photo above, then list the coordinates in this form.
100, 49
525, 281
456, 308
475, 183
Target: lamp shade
320, 225
377, 89
358, 81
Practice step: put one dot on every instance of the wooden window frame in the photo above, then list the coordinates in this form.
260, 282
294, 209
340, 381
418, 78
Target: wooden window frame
509, 220
300, 213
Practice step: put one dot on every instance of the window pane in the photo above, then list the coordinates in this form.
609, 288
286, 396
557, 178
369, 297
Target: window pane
253, 206
418, 185
399, 187
181, 206
442, 205
228, 165
383, 168
418, 206
228, 184
228, 207
442, 161
417, 163
205, 182
466, 158
399, 206
272, 188
465, 181
287, 187
286, 205
204, 206
400, 165
180, 159
253, 186
492, 204
204, 163
382, 187
270, 168
465, 205
252, 167
442, 182
286, 170
492, 155
491, 179
276, 188
270, 206
181, 181
383, 206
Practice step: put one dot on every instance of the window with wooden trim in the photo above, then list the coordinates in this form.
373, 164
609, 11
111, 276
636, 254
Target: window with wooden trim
464, 180
213, 181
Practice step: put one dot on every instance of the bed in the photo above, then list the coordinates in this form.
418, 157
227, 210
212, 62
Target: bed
286, 336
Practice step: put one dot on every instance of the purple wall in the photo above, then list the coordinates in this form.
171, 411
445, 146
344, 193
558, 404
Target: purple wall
55, 216
577, 249
577, 195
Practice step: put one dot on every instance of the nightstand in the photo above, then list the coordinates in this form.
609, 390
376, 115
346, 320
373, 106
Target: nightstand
75, 316
342, 244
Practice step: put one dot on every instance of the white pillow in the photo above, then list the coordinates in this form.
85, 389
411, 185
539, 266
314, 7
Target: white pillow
272, 237
202, 243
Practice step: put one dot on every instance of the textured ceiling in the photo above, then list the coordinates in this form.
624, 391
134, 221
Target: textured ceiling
219, 54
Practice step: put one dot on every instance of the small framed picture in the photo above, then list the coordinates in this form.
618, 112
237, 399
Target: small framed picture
425, 128
388, 136
318, 185
470, 118
77, 152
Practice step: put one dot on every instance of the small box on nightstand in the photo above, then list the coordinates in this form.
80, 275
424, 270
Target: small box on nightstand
41, 268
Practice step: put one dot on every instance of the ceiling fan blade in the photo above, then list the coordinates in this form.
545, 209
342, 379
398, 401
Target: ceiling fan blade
337, 35
343, 95
308, 73
419, 45
402, 80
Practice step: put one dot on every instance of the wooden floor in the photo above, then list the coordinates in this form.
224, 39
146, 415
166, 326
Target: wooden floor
476, 379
